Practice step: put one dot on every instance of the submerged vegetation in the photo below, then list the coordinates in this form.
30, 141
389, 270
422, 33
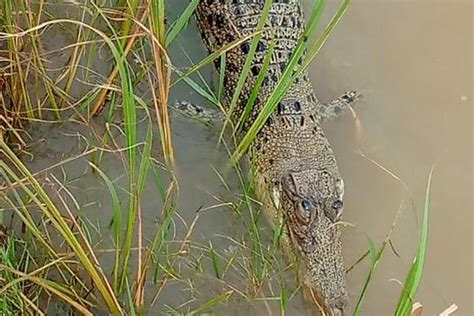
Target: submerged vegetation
55, 257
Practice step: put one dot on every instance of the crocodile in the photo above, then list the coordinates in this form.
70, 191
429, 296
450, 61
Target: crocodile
294, 167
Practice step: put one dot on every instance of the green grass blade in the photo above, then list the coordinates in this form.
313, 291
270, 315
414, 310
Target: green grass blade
132, 6
130, 298
116, 221
257, 87
413, 278
211, 303
283, 299
200, 90
222, 66
248, 64
145, 161
181, 22
372, 250
215, 260
159, 239
158, 181
210, 58
376, 255
130, 122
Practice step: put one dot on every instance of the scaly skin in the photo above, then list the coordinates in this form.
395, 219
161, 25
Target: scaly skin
295, 169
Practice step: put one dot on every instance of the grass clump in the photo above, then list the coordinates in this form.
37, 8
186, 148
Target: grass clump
18, 296
31, 93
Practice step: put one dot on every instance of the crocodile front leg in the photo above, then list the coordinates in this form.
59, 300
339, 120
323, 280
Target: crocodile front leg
205, 115
337, 106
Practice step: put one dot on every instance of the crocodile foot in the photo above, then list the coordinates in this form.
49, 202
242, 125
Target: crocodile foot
337, 106
199, 113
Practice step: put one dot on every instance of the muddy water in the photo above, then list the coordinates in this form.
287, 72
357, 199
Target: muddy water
412, 61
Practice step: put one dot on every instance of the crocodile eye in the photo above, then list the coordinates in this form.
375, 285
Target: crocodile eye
337, 205
306, 205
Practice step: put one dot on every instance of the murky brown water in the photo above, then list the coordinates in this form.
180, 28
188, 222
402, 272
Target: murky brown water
412, 61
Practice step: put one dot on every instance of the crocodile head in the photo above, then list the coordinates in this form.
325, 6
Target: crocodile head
311, 200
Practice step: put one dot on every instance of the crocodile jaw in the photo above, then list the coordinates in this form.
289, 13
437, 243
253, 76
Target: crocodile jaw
323, 269
319, 253
317, 246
